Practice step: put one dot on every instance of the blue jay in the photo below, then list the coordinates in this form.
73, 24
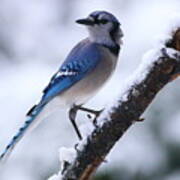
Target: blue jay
88, 66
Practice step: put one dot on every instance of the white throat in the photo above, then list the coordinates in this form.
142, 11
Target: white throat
100, 37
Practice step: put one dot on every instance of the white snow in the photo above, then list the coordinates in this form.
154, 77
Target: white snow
86, 128
172, 53
56, 177
67, 154
174, 23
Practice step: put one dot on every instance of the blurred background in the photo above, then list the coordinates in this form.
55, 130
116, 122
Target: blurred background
35, 37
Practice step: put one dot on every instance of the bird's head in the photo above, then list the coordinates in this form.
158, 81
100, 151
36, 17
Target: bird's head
103, 27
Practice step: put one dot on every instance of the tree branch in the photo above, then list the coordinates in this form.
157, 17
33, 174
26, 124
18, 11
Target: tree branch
159, 67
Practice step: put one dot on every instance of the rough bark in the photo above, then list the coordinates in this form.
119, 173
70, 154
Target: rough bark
123, 115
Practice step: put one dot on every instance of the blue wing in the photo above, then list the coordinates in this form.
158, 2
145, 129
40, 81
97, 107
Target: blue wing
82, 60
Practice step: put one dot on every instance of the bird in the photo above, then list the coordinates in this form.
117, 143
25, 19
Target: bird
83, 73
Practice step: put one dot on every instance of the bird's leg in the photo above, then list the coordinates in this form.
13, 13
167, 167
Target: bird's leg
95, 112
72, 117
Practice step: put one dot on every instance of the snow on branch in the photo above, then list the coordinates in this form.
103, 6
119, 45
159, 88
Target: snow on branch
159, 67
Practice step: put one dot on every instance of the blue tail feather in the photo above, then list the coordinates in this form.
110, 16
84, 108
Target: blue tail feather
28, 123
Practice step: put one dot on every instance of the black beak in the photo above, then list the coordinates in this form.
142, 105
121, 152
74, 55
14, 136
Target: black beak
85, 21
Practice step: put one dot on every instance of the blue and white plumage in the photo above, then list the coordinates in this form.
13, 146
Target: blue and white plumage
88, 66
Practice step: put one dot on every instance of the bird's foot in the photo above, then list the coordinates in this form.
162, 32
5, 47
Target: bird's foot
96, 114
73, 113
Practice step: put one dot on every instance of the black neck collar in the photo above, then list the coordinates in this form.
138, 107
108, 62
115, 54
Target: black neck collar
114, 49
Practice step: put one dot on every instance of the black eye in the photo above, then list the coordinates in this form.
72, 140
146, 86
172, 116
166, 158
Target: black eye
103, 21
